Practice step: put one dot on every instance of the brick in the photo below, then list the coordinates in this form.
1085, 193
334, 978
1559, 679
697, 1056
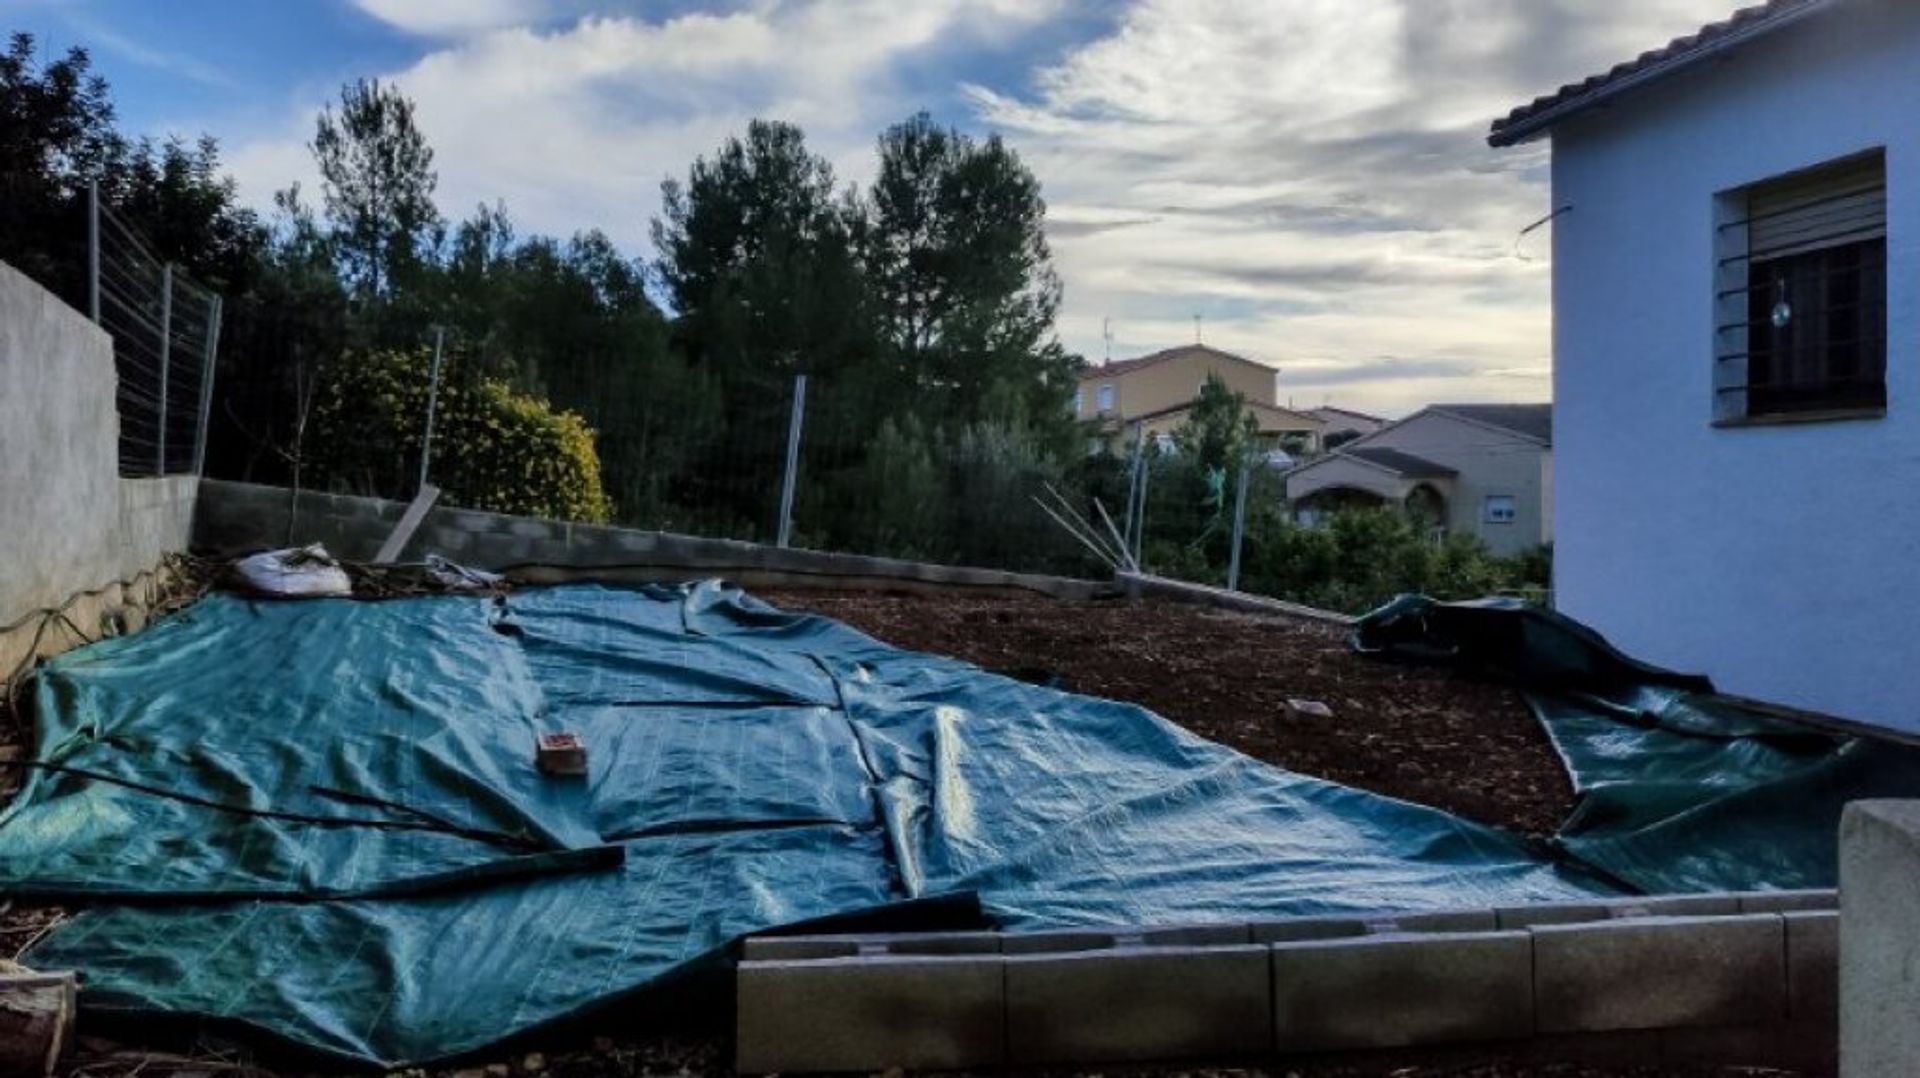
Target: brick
1813, 965
1655, 972
870, 1013
1551, 913
1138, 1005
1394, 991
1784, 901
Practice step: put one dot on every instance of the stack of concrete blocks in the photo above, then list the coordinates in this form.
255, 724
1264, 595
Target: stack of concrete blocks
1880, 940
1703, 978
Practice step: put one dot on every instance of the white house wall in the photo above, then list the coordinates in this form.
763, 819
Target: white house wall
1782, 560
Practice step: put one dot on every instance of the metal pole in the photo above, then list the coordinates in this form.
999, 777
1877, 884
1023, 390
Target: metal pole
166, 347
93, 250
793, 457
433, 402
1239, 526
1140, 530
214, 309
1133, 490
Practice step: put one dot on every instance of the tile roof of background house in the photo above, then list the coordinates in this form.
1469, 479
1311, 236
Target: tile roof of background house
1128, 366
1537, 116
1406, 464
1531, 420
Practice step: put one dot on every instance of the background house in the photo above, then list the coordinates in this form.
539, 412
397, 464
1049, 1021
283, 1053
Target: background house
1342, 426
1471, 469
1738, 390
1157, 390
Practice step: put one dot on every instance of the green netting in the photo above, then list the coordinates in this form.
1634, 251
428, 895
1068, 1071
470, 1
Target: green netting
322, 818
1680, 789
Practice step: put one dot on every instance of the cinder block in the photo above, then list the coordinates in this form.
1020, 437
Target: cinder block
1393, 991
937, 943
1196, 936
1292, 929
1656, 972
1435, 921
1785, 901
524, 528
1551, 913
1813, 965
870, 1013
1138, 1005
796, 948
1055, 942
1705, 905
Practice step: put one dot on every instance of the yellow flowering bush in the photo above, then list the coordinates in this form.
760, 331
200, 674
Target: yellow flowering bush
494, 447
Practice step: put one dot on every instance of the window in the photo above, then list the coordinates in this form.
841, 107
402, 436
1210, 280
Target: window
1079, 401
1801, 311
1500, 509
1104, 397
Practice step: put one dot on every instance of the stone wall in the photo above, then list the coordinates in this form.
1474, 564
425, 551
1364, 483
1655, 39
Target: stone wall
69, 524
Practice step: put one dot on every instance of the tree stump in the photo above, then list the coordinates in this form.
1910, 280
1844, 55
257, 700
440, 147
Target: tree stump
36, 1020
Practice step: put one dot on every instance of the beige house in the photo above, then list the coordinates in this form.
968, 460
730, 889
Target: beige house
1155, 392
1474, 469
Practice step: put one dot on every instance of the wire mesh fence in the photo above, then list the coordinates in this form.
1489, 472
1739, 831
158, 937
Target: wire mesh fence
166, 331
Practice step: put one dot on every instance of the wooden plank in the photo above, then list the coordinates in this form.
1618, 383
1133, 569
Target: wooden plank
409, 523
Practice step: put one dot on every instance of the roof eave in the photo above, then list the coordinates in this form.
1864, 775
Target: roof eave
1539, 123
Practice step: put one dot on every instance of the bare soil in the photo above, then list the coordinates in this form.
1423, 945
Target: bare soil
1416, 733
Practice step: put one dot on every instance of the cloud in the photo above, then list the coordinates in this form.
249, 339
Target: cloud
575, 126
1313, 177
439, 18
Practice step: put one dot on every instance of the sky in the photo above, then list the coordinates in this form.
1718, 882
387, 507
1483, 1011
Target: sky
1305, 182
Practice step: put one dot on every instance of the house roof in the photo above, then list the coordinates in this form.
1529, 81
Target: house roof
1128, 366
1328, 408
1399, 462
1306, 419
1536, 117
1528, 420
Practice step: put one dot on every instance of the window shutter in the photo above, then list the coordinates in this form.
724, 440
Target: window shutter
1844, 203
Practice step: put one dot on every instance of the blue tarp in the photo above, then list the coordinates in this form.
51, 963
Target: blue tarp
322, 819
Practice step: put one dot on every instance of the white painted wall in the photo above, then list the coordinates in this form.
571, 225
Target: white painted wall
1783, 560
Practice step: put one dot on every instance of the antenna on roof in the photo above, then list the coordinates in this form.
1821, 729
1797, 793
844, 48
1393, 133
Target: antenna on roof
1106, 333
1196, 328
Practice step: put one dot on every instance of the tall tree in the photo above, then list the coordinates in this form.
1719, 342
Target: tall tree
960, 266
377, 184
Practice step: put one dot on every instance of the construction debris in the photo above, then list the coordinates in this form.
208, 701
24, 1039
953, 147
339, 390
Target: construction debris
561, 754
36, 1019
298, 573
1298, 710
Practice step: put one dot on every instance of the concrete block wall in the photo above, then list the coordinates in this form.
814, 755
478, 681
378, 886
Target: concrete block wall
1879, 985
237, 518
68, 523
1696, 978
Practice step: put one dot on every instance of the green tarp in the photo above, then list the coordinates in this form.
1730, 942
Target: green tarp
322, 818
1680, 789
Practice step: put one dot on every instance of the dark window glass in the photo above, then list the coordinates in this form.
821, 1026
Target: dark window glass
1817, 330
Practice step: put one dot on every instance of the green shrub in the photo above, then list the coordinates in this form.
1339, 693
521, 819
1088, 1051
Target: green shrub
494, 448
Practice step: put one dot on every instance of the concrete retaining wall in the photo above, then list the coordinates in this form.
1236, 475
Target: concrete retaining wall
68, 523
1698, 978
237, 518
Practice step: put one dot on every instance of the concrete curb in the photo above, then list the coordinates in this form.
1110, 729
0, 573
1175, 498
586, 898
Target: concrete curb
1699, 978
238, 518
1142, 585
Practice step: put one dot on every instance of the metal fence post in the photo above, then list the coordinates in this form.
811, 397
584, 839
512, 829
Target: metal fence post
166, 346
93, 250
1133, 489
433, 403
1239, 525
215, 306
1140, 525
793, 458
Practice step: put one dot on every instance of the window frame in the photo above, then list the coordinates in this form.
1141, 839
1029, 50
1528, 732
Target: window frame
1844, 339
1486, 509
1103, 398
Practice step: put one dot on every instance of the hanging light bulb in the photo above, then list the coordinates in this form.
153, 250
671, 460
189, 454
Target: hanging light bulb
1782, 310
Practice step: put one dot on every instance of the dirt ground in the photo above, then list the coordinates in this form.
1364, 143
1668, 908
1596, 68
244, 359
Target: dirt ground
1418, 734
